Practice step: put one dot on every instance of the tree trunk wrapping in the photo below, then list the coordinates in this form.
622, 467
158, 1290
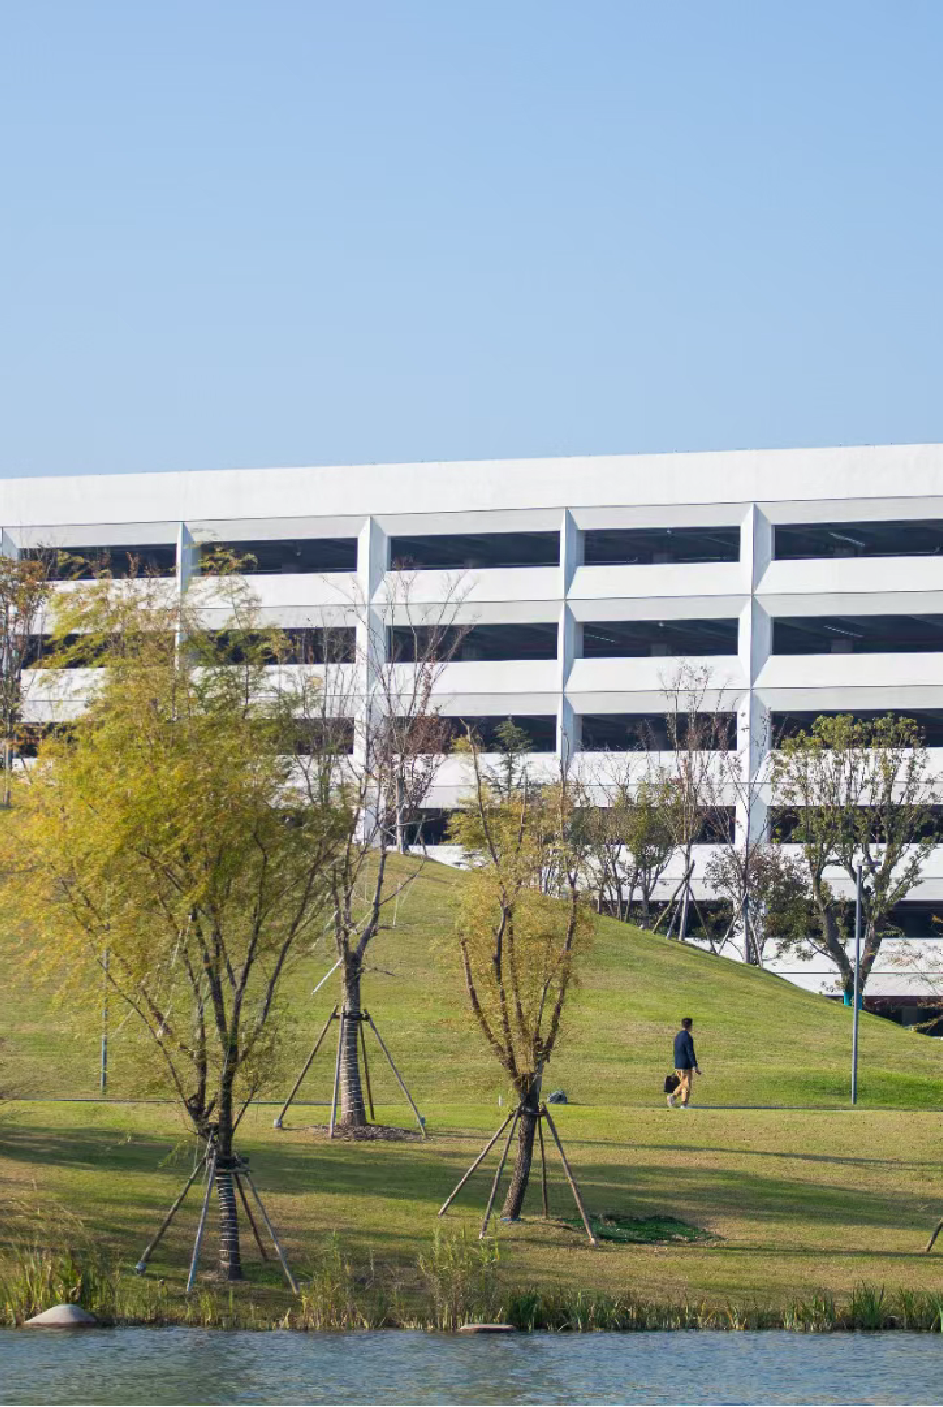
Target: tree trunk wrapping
230, 1261
353, 1109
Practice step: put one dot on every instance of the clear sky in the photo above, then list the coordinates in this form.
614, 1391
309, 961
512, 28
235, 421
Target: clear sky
293, 232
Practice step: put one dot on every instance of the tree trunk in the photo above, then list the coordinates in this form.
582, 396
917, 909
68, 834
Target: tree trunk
400, 814
526, 1130
230, 1261
353, 1110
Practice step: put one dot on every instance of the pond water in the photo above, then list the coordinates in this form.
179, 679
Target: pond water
203, 1366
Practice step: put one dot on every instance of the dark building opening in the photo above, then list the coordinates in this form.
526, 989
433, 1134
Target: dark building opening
908, 537
299, 645
651, 732
631, 546
457, 551
430, 826
916, 918
316, 736
302, 555
788, 725
857, 635
536, 641
786, 825
541, 730
628, 639
126, 560
76, 651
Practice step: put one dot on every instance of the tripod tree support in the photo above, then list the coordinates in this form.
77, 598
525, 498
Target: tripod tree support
152, 1247
545, 1113
543, 1167
366, 1072
210, 1180
305, 1068
249, 1217
343, 1017
480, 1159
512, 1119
235, 1172
936, 1232
497, 1177
271, 1230
402, 1083
337, 1073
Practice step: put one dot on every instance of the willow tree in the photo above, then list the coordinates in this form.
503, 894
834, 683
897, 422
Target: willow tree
169, 842
522, 925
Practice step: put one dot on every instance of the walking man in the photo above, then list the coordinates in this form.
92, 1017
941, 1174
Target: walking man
686, 1066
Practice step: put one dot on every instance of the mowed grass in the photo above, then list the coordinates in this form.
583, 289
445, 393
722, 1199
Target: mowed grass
796, 1203
803, 1197
760, 1040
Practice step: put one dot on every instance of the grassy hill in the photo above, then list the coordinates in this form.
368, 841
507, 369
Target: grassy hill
796, 1204
760, 1040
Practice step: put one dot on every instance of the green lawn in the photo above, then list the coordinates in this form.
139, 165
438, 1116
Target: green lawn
796, 1203
760, 1040
796, 1200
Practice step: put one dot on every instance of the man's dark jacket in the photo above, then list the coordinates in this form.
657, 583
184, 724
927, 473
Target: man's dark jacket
685, 1058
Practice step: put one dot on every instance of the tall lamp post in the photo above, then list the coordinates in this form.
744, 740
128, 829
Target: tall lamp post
857, 992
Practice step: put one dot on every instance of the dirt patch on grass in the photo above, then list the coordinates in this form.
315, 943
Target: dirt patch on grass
373, 1133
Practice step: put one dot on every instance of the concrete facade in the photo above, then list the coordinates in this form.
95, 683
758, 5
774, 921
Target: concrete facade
749, 492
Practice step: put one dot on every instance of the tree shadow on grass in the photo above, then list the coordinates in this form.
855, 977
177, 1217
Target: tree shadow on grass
128, 1185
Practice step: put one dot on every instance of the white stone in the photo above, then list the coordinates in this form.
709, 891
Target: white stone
63, 1316
487, 1329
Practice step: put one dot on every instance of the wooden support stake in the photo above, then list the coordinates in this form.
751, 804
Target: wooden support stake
210, 1183
543, 1163
271, 1231
497, 1176
149, 1250
248, 1211
481, 1157
570, 1178
305, 1068
337, 1073
402, 1084
929, 1245
366, 1071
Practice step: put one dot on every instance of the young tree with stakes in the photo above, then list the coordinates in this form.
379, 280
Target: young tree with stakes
170, 840
399, 744
522, 926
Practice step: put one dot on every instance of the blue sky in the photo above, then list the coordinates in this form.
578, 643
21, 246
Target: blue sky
242, 234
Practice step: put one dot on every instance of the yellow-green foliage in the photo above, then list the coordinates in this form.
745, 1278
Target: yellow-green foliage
521, 923
165, 836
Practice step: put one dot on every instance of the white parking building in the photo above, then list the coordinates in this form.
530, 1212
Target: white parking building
805, 581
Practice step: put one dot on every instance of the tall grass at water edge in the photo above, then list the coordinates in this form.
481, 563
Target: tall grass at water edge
456, 1284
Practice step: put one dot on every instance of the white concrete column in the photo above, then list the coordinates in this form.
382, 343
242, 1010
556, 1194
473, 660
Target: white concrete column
188, 559
188, 567
568, 635
372, 563
755, 641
